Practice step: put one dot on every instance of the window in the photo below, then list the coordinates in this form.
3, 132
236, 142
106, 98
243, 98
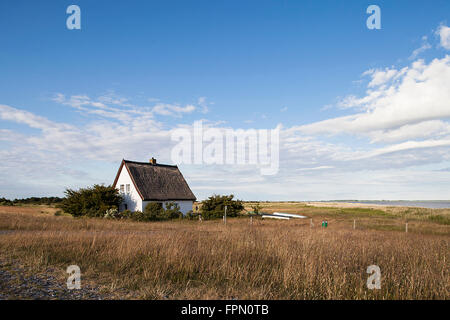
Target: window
121, 188
128, 188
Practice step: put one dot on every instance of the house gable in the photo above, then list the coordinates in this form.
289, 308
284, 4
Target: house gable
122, 165
132, 199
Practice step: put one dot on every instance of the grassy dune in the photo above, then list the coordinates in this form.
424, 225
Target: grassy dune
265, 260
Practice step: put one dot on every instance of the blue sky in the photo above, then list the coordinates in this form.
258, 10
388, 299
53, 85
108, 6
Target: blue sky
233, 64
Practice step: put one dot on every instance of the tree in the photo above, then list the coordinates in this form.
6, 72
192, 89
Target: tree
214, 207
91, 201
6, 202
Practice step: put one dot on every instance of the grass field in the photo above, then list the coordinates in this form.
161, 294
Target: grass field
264, 260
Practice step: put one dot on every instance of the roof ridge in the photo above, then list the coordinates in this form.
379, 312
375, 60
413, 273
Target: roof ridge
148, 163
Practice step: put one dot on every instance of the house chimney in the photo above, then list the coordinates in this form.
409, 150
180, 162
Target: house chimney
153, 160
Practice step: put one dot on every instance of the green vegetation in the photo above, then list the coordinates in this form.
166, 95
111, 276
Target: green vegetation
31, 201
440, 219
256, 208
91, 202
214, 207
154, 211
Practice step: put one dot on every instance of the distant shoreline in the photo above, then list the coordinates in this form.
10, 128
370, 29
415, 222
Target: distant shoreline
429, 204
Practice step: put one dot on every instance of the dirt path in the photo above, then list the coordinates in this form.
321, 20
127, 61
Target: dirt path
18, 283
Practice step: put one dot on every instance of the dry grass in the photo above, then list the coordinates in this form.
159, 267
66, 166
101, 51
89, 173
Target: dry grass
266, 260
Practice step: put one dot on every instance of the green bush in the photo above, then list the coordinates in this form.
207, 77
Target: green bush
172, 211
190, 215
214, 207
6, 202
126, 214
112, 213
137, 216
256, 208
154, 211
58, 213
91, 202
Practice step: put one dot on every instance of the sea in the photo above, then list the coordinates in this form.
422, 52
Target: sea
431, 204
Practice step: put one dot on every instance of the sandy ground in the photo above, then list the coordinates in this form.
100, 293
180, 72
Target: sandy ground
28, 209
345, 205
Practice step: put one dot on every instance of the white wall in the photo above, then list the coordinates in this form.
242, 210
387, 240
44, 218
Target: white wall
132, 199
185, 205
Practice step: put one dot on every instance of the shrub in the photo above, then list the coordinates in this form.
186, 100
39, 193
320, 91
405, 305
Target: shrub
92, 202
256, 208
153, 212
137, 216
126, 214
6, 202
58, 213
172, 211
214, 207
112, 213
190, 215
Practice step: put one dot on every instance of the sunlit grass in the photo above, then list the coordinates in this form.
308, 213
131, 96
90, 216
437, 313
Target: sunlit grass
263, 260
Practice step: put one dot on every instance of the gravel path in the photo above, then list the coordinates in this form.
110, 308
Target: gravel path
16, 283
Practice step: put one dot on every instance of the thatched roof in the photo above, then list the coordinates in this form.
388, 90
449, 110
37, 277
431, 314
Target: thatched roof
157, 182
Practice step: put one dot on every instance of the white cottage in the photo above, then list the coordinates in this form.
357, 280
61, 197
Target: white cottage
144, 182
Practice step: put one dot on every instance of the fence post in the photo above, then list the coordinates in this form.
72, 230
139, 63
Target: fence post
225, 216
354, 224
251, 220
406, 227
311, 223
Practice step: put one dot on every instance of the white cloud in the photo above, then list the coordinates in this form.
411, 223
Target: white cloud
444, 34
316, 168
67, 156
421, 130
114, 106
387, 146
202, 103
395, 98
380, 77
172, 109
424, 47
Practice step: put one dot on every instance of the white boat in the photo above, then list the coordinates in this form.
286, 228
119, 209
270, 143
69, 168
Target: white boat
271, 216
290, 215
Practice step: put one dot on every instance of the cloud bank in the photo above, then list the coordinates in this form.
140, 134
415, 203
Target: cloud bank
393, 143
